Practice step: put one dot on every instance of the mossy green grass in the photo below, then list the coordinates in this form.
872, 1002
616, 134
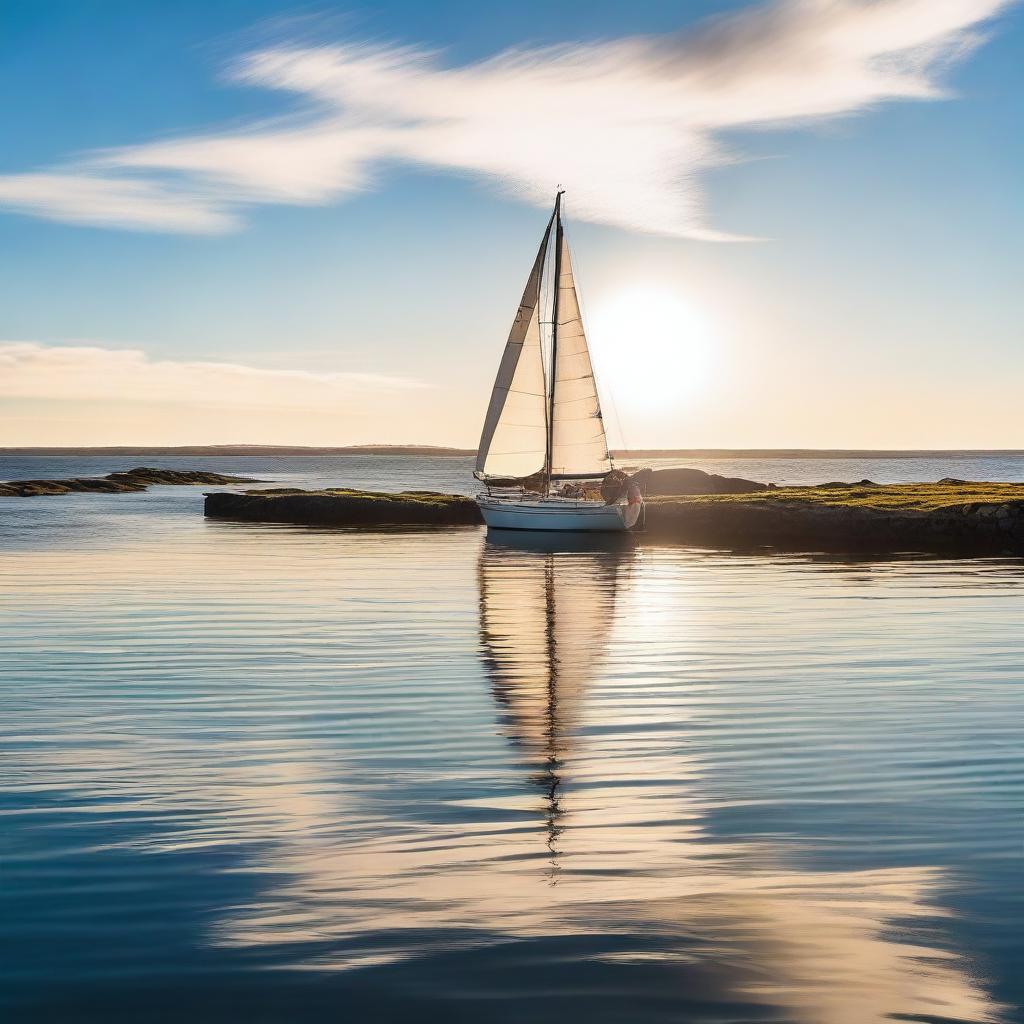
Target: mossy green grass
917, 497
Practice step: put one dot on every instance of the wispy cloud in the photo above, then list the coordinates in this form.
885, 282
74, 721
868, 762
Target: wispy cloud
81, 196
629, 126
93, 373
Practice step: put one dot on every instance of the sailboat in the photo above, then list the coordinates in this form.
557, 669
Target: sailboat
543, 432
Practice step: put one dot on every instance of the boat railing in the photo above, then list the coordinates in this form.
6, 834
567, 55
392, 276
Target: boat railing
512, 491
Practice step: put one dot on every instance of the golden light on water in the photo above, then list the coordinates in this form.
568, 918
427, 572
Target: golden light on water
654, 347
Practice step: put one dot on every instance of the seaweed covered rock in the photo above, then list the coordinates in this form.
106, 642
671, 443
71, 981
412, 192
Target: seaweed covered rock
961, 519
147, 476
342, 507
116, 483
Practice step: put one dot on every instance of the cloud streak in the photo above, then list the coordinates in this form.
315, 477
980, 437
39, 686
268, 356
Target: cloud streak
629, 126
92, 373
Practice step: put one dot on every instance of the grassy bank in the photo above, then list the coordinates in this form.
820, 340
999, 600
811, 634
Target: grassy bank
945, 495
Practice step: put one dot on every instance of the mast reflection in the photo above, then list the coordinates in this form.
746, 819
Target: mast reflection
547, 602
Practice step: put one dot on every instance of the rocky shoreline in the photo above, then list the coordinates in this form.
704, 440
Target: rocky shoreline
956, 518
132, 480
799, 525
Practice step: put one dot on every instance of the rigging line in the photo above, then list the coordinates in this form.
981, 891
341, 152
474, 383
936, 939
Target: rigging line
516, 391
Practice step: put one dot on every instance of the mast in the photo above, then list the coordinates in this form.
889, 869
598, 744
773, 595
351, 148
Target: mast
554, 338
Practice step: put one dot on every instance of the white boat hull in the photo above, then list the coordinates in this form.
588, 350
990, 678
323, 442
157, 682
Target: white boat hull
556, 514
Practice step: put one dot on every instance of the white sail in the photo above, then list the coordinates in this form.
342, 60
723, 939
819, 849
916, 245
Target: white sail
578, 442
514, 438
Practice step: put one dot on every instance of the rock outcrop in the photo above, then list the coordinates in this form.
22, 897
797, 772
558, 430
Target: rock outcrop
671, 482
340, 507
973, 529
116, 483
952, 517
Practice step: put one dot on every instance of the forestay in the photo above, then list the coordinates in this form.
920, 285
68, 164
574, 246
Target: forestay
514, 438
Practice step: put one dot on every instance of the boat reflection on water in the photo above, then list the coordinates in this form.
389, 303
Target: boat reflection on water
547, 601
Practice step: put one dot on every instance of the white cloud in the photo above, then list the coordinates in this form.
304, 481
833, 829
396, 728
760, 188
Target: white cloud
628, 126
84, 197
91, 373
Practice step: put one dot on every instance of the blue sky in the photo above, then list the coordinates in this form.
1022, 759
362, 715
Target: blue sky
879, 306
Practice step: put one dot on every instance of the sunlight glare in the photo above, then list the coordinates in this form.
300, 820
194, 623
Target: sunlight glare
652, 347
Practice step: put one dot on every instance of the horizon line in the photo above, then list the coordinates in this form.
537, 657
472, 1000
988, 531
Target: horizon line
286, 450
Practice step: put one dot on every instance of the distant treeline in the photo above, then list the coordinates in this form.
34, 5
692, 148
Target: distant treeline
425, 450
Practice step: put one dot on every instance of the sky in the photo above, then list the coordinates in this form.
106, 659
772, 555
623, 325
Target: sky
795, 223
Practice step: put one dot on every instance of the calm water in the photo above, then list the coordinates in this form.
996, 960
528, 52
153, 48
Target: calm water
278, 775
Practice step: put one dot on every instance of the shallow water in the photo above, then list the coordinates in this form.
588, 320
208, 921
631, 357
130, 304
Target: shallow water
274, 774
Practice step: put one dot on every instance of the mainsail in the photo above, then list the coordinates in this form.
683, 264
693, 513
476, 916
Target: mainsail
544, 413
514, 438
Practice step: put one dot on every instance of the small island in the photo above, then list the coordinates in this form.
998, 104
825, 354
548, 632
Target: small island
952, 517
130, 480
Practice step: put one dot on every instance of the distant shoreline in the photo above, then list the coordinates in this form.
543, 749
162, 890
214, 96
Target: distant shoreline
817, 453
242, 450
432, 451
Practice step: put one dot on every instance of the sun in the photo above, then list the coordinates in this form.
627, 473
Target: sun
652, 348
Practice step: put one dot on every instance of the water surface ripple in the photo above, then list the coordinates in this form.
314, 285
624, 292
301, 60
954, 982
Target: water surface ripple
272, 774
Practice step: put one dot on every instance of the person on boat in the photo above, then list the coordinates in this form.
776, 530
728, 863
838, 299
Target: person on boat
613, 485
